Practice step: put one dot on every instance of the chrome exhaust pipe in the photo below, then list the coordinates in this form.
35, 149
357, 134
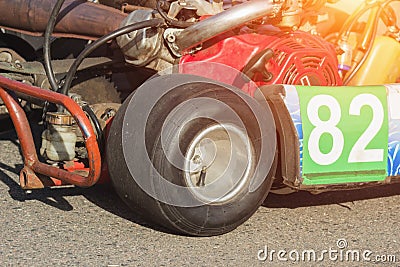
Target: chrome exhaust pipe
223, 22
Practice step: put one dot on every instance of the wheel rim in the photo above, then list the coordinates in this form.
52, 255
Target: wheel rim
223, 156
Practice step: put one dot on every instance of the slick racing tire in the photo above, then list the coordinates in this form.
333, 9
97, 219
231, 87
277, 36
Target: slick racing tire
192, 155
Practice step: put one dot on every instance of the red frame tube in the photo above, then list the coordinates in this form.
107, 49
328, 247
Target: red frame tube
24, 133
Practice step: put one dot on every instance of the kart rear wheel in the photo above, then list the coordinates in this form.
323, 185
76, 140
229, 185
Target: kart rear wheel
209, 163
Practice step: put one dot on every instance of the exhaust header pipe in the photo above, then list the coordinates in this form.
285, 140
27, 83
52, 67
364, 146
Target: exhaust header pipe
223, 22
77, 18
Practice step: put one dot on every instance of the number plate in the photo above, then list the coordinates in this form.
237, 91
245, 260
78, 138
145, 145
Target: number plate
345, 134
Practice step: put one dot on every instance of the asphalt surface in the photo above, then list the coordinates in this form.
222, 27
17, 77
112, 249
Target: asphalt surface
92, 227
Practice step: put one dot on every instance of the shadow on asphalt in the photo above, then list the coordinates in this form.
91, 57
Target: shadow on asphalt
306, 199
106, 198
102, 196
51, 197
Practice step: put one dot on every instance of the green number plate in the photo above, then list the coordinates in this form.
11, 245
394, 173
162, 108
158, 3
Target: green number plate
345, 132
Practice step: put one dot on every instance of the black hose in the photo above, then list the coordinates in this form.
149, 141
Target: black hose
99, 42
46, 47
170, 21
97, 126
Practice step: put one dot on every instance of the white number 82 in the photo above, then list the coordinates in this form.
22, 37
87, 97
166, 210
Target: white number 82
358, 153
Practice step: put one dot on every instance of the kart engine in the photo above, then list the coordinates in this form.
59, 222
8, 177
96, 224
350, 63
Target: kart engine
269, 50
281, 58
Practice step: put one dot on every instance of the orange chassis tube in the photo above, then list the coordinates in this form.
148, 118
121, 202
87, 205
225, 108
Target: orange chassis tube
36, 174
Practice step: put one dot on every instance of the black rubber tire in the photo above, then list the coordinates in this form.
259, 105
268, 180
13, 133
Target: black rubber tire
205, 220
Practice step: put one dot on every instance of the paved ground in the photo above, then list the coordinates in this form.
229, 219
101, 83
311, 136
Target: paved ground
92, 227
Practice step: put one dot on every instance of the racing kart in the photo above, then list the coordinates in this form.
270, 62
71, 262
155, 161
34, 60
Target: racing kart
222, 101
